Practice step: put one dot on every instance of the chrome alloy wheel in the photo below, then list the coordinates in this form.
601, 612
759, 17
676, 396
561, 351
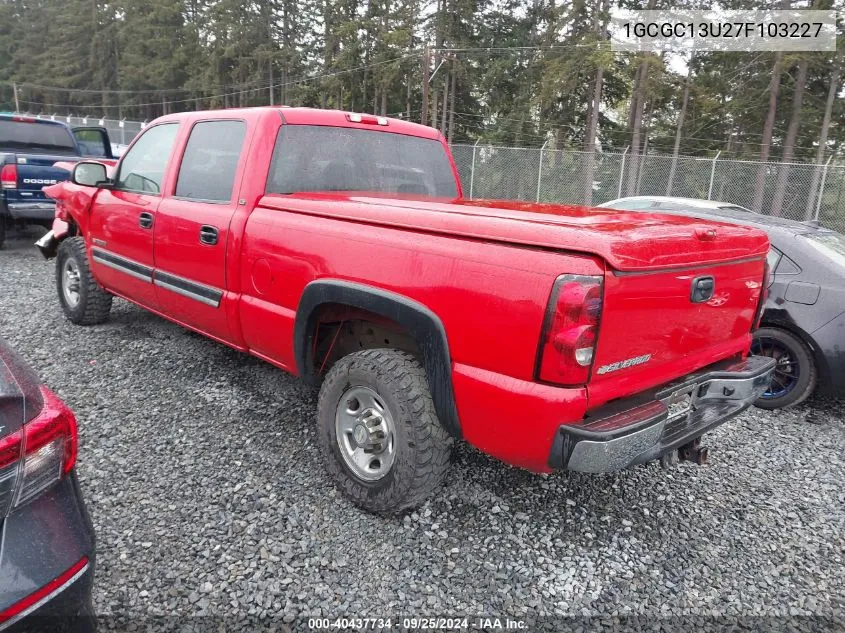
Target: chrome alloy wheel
70, 282
365, 431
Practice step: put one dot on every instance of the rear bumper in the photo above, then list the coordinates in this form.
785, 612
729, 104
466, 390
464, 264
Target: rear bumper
43, 541
36, 211
641, 429
830, 342
67, 609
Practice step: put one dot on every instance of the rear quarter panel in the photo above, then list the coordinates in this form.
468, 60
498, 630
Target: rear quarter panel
490, 297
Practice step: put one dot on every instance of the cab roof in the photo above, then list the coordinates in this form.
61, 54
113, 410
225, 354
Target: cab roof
316, 116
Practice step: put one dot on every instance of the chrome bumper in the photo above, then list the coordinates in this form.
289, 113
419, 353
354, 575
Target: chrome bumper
45, 210
642, 429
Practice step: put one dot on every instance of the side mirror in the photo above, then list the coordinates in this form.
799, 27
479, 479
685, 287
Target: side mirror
89, 174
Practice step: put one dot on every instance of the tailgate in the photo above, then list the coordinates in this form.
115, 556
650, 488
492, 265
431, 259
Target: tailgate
652, 332
38, 171
34, 172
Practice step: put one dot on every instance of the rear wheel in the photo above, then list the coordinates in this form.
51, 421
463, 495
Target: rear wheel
380, 437
83, 301
794, 377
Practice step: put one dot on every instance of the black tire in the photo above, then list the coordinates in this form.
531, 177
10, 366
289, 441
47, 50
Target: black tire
766, 342
94, 303
422, 447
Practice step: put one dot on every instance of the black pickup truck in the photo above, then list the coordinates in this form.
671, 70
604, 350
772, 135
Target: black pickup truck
29, 148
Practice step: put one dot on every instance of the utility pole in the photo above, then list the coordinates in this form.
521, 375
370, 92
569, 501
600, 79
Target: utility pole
270, 54
271, 80
426, 61
15, 90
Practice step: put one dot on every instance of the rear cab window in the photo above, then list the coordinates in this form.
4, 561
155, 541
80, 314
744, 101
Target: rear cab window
210, 161
36, 137
313, 158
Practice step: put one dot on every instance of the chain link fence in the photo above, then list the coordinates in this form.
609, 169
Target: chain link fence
799, 191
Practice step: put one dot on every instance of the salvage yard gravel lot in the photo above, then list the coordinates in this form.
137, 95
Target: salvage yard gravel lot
200, 469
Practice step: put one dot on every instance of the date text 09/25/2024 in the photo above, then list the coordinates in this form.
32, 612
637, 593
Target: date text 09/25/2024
417, 624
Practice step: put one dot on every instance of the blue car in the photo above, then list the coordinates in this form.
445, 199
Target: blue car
29, 147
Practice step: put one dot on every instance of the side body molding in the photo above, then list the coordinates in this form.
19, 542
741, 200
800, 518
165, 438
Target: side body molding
422, 324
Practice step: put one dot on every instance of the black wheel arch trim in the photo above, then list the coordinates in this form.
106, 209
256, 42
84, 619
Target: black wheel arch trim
421, 323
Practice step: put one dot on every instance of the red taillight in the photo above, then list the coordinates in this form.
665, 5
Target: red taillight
570, 331
9, 176
36, 598
39, 455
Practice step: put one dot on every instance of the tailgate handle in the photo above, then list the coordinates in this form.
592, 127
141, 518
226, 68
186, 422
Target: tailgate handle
145, 220
208, 234
702, 289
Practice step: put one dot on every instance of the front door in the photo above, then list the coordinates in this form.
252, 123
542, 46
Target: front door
123, 217
192, 230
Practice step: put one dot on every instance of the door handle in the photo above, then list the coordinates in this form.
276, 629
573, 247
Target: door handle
208, 235
145, 220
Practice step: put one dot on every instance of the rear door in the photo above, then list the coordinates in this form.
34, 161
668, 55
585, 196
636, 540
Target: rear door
192, 232
123, 217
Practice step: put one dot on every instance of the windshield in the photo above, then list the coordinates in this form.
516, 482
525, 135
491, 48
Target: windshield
829, 244
322, 158
36, 137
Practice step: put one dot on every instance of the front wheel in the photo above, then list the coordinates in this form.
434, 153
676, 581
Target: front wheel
794, 377
83, 301
380, 437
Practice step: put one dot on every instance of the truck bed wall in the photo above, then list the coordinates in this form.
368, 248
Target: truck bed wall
490, 297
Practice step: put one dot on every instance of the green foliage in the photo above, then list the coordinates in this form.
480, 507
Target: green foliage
522, 71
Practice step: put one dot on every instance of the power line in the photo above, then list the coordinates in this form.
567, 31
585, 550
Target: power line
265, 86
258, 84
129, 92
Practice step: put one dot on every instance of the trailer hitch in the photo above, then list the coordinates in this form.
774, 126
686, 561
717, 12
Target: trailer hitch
693, 452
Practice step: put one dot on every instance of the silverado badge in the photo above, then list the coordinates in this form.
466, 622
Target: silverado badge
623, 364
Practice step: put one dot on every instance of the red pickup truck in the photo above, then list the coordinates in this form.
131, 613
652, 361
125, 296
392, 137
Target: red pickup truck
337, 247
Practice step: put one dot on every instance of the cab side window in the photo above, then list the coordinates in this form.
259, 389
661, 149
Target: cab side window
207, 172
142, 168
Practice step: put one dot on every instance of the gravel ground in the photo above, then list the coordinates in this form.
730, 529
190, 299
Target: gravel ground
202, 475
